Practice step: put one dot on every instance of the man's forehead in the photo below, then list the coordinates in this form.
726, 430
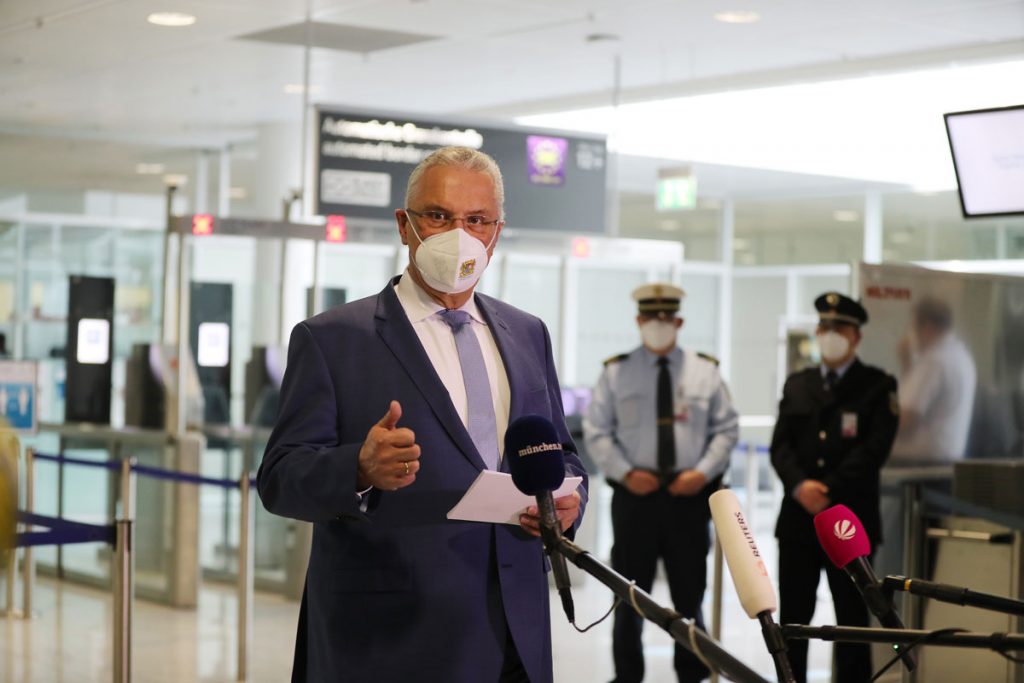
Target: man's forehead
454, 181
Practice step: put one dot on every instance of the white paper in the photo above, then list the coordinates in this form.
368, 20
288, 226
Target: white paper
494, 498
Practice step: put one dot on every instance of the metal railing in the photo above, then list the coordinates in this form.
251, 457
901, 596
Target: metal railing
123, 540
63, 532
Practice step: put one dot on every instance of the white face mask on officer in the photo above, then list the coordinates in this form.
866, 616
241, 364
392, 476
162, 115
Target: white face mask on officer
833, 345
658, 334
451, 261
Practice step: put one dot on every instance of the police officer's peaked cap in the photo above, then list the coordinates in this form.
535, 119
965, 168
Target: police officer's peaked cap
658, 297
836, 307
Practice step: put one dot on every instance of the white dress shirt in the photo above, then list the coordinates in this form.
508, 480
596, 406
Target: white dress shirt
438, 341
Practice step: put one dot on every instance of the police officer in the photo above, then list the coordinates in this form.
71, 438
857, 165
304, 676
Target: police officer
661, 427
835, 428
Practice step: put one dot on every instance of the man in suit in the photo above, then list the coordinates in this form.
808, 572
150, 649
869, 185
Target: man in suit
835, 427
661, 426
390, 408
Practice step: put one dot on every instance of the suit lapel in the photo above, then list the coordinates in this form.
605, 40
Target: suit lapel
398, 335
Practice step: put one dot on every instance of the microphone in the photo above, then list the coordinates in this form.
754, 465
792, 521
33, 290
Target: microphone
843, 539
749, 574
535, 459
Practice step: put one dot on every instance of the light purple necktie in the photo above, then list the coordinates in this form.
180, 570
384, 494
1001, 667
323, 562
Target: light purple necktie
482, 427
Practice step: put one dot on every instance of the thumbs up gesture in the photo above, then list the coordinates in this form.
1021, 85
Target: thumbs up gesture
389, 458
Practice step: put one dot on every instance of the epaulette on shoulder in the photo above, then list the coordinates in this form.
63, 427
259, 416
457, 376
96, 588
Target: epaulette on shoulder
708, 357
616, 359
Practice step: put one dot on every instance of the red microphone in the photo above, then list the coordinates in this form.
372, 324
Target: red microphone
847, 545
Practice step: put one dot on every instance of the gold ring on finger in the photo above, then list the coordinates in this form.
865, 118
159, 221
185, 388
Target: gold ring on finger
406, 463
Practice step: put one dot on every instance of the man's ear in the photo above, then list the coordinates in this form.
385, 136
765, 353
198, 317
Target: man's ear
403, 225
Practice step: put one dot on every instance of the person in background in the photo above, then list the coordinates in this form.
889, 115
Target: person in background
661, 426
834, 430
937, 385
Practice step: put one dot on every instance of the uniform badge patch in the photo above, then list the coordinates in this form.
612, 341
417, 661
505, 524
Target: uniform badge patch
848, 426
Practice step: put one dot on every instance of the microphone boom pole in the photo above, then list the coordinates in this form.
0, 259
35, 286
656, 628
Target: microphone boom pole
858, 634
684, 631
956, 595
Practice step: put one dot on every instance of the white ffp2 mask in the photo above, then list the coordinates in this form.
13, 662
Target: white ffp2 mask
833, 345
451, 261
658, 334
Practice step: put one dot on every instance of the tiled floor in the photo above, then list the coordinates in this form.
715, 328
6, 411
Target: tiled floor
68, 639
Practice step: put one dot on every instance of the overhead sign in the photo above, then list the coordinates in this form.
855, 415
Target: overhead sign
677, 190
18, 395
552, 182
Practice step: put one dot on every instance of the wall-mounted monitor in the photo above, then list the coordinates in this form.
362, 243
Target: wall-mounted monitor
988, 156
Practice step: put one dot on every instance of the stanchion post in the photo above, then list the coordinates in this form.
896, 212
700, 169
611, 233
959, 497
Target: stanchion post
246, 562
12, 557
716, 601
123, 578
27, 565
752, 482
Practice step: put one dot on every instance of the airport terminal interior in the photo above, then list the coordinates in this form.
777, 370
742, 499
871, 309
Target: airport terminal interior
182, 182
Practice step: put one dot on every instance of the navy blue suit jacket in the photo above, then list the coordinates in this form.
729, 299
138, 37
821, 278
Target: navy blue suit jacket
400, 592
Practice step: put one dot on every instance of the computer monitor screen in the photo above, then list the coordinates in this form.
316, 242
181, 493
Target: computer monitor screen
988, 155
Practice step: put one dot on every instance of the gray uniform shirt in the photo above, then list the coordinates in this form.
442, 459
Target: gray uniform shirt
620, 428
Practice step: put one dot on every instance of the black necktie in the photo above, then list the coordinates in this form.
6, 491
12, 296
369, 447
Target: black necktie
831, 377
666, 432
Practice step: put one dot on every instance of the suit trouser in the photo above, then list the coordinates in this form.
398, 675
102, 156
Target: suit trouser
800, 565
674, 528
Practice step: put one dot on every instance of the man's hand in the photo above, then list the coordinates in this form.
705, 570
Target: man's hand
389, 458
812, 495
641, 482
567, 509
688, 483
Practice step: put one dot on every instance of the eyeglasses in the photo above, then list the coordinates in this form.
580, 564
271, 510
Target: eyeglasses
442, 220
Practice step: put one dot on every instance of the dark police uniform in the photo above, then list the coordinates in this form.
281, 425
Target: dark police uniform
841, 436
621, 429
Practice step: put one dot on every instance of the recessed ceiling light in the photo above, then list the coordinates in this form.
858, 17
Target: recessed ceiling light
176, 179
174, 19
739, 16
149, 169
845, 216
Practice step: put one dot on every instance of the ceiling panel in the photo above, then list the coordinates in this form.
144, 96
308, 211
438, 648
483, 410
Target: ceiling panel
96, 68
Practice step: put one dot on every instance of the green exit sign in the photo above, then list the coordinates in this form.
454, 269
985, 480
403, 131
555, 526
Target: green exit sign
676, 193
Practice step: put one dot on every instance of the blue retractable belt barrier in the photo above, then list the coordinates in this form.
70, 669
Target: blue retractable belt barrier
63, 459
61, 531
145, 470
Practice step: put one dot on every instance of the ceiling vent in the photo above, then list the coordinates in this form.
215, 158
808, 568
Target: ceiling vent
340, 37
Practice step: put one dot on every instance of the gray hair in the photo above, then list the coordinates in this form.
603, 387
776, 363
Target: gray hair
460, 157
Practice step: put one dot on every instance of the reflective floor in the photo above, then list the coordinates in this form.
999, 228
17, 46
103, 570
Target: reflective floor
68, 638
